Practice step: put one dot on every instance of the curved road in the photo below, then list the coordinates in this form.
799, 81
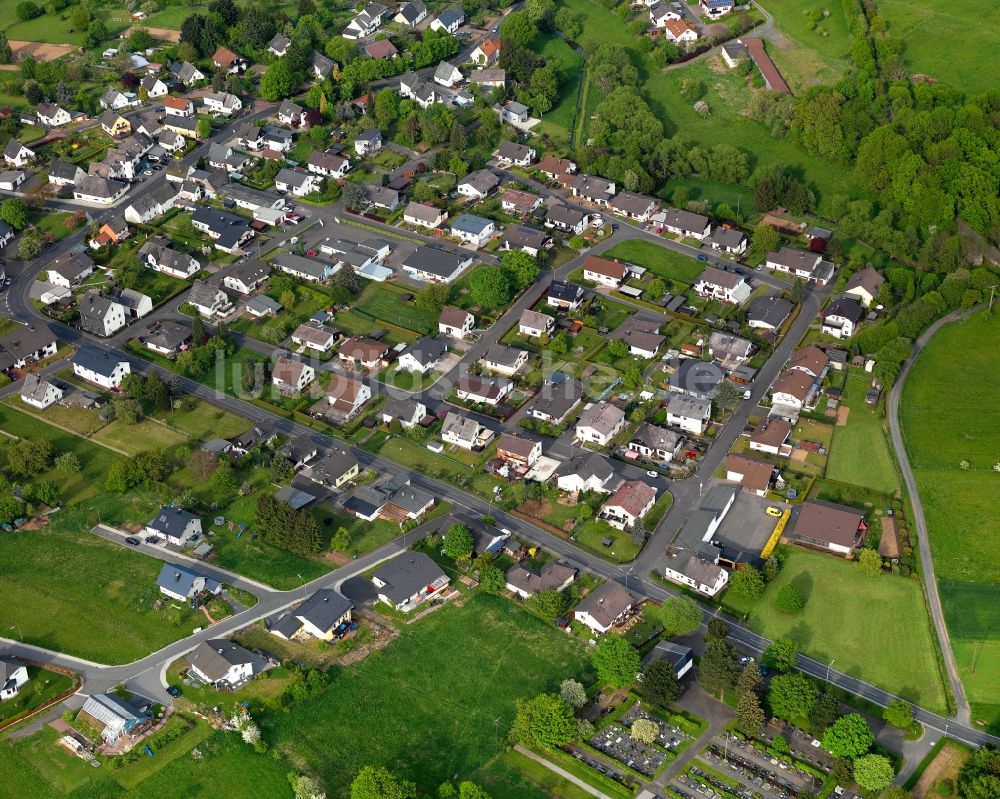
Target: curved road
964, 713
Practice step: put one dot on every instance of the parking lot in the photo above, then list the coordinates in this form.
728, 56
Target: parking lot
747, 527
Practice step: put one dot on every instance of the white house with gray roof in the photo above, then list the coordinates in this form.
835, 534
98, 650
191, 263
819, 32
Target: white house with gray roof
174, 525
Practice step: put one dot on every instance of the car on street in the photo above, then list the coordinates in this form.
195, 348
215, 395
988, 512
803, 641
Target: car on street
760, 267
174, 691
614, 227
745, 660
703, 258
652, 473
132, 541
773, 511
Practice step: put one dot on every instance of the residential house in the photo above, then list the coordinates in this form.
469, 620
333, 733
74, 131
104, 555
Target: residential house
656, 443
154, 87
408, 580
70, 270
136, 304
632, 500
483, 390
328, 165
178, 107
411, 14
566, 219
11, 179
697, 378
297, 182
228, 231
100, 367
335, 469
486, 53
754, 475
605, 272
864, 286
369, 141
593, 189
564, 295
380, 49
246, 277
728, 240
811, 360
733, 53
465, 432
323, 613
115, 717
226, 59
291, 375
39, 392
680, 657
303, 268
181, 583
478, 184
449, 20
114, 230
365, 23
473, 230
364, 352
716, 8
424, 215
208, 299
661, 13
447, 74
526, 239
806, 265
186, 73
456, 322
558, 397
641, 335
13, 676
168, 338
514, 154
603, 607
174, 525
408, 412
677, 30
261, 305
584, 473
51, 115
690, 414
636, 207
503, 359
320, 66
423, 355
793, 389
841, 317
534, 324
724, 286
729, 350
599, 423
346, 396
290, 113
95, 189
6, 237
687, 224
768, 312
278, 45
552, 576
17, 155
25, 346
156, 254
704, 576
221, 103
828, 526
223, 664
489, 78
521, 452
434, 265
771, 436
298, 452
63, 173
115, 100
313, 337
521, 203
556, 168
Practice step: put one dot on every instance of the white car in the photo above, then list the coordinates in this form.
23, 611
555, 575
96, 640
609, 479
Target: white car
651, 473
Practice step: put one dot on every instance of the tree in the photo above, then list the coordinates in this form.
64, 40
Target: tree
772, 567
560, 344
718, 628
870, 562
645, 731
727, 397
489, 287
354, 195
656, 288
26, 458
679, 615
223, 480
747, 582
573, 693
120, 476
15, 213
518, 29
67, 463
765, 239
128, 410
520, 269
633, 378
617, 662
848, 737
875, 773
341, 540
28, 10
750, 679
10, 509
278, 81
30, 245
660, 684
617, 348
750, 717
379, 783
789, 600
717, 671
433, 297
458, 542
204, 128
979, 777
824, 713
5, 51
202, 463
548, 605
798, 291
546, 720
306, 787
791, 696
781, 655
899, 714
97, 32
492, 579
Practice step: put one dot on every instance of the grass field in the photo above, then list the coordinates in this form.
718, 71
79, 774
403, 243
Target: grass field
811, 56
134, 438
204, 420
860, 452
937, 35
43, 686
68, 590
385, 304
666, 263
54, 28
949, 415
876, 628
451, 679
514, 776
558, 121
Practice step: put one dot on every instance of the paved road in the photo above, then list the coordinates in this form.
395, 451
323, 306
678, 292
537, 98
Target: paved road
964, 712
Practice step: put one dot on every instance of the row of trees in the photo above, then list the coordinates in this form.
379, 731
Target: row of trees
377, 782
279, 524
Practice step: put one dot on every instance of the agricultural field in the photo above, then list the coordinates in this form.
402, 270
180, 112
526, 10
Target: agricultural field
438, 669
875, 628
951, 423
946, 41
860, 454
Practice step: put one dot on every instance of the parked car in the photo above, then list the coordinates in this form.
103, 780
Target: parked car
773, 511
152, 539
174, 691
132, 541
702, 257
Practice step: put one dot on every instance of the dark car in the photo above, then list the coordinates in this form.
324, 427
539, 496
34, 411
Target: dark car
614, 227
132, 541
152, 539
703, 258
174, 691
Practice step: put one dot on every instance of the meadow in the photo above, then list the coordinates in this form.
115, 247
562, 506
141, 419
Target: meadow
667, 264
454, 679
947, 41
875, 628
860, 453
949, 417
809, 57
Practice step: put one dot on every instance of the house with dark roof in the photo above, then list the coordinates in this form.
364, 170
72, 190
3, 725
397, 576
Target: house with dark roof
208, 299
526, 239
38, 392
689, 413
514, 154
101, 315
566, 219
564, 295
455, 322
223, 664
656, 443
424, 215
465, 432
728, 240
180, 582
768, 312
504, 359
323, 612
593, 189
636, 207
864, 286
704, 576
478, 184
13, 676
408, 412
423, 355
409, 580
449, 20
26, 345
473, 230
687, 224
771, 436
558, 397
723, 285
828, 526
553, 576
604, 607
100, 367
174, 525
434, 265
841, 317
336, 468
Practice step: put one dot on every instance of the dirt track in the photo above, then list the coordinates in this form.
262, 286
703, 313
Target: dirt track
40, 51
163, 34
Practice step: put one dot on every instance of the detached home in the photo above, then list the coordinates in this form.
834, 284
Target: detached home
434, 265
424, 215
408, 580
208, 299
593, 189
633, 206
483, 390
828, 526
298, 183
687, 224
807, 265
600, 423
450, 20
656, 443
841, 317
101, 316
423, 355
70, 270
345, 395
328, 164
291, 376
535, 324
504, 360
690, 414
51, 115
39, 392
513, 153
455, 322
605, 272
465, 432
552, 576
585, 473
724, 286
174, 525
100, 367
478, 184
157, 255
603, 607
473, 230
864, 286
313, 337
223, 664
566, 219
704, 576
632, 500
17, 155
768, 312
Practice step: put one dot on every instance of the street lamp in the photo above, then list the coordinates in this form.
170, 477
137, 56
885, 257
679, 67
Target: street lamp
628, 572
829, 665
20, 635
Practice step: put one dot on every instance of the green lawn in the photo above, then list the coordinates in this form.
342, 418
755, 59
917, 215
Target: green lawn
659, 260
876, 628
134, 438
43, 686
71, 591
385, 304
860, 452
54, 224
812, 56
451, 694
203, 420
514, 776
563, 114
946, 416
936, 36
55, 28
76, 419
